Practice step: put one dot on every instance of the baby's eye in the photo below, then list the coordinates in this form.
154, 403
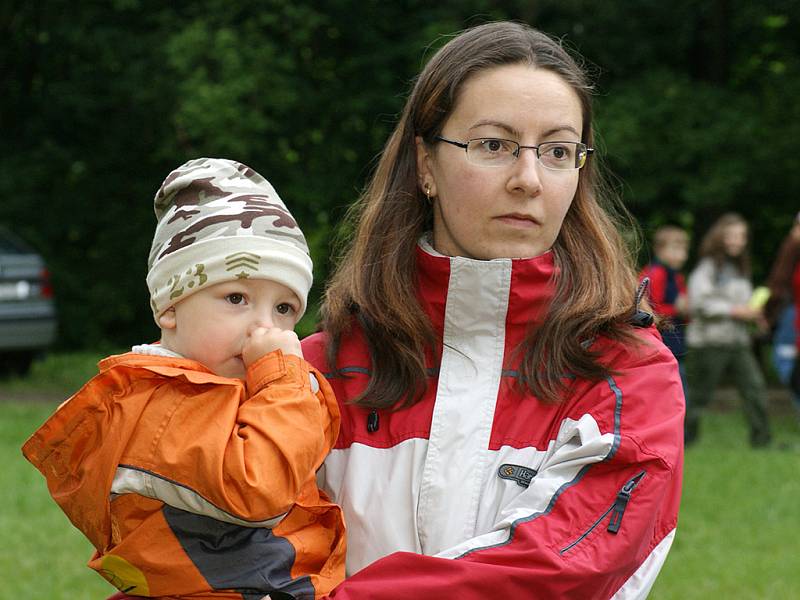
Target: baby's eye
284, 308
235, 298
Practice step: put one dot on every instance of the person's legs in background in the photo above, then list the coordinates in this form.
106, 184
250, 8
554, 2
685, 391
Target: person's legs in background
784, 353
750, 383
704, 367
682, 373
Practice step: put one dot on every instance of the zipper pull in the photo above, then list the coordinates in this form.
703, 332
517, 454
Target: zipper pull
372, 422
623, 496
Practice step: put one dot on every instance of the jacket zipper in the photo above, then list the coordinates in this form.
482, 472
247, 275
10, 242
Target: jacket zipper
616, 511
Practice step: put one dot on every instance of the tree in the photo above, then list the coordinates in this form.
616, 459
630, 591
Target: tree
695, 104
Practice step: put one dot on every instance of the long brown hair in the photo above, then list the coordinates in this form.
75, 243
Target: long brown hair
375, 282
713, 244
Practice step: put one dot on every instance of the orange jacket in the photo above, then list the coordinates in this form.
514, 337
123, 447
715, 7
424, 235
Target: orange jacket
191, 484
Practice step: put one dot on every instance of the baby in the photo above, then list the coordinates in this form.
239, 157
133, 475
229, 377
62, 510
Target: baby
190, 464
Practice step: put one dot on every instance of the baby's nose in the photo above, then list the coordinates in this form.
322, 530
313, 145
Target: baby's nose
262, 322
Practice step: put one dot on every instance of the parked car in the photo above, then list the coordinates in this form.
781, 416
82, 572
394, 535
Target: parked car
27, 312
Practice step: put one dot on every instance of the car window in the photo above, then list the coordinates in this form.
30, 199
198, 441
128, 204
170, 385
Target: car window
9, 244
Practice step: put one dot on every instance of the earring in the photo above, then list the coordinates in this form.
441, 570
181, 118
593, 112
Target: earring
428, 191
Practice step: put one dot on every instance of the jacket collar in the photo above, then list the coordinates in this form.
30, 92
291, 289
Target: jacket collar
530, 286
167, 366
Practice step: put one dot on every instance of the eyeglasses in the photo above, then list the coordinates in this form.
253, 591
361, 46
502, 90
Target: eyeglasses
497, 152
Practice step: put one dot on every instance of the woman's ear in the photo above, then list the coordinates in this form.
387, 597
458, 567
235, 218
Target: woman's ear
167, 319
426, 181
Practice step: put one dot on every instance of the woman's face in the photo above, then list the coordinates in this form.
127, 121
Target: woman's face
513, 211
735, 239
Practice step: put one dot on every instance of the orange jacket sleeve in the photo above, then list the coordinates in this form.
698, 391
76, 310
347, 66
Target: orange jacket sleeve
248, 450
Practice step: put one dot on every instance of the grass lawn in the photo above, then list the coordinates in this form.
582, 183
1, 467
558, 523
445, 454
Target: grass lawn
738, 535
42, 555
739, 525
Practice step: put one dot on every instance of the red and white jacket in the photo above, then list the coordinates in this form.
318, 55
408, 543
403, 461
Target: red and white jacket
482, 491
796, 291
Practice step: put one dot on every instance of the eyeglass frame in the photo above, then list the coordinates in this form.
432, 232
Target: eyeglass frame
465, 146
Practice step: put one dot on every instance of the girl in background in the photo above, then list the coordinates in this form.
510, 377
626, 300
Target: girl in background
719, 334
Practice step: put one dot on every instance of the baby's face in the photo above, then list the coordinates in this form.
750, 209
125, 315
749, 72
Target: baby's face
211, 325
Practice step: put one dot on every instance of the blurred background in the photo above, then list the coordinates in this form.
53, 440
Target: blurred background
697, 114
696, 104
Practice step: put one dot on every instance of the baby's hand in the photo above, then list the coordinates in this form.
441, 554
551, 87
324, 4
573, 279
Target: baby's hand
262, 341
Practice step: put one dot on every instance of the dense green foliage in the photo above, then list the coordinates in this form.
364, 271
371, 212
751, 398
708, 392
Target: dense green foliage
696, 104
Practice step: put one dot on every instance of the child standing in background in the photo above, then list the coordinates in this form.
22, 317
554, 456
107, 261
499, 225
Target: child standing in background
190, 464
719, 334
668, 287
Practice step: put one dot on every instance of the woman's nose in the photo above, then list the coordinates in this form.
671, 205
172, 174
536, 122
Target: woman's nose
525, 174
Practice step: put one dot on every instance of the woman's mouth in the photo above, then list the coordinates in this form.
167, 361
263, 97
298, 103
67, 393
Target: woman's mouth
518, 220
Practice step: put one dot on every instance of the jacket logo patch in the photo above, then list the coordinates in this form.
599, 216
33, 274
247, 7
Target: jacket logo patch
522, 475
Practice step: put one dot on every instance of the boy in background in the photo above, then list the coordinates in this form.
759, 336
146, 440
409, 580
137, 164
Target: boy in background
668, 287
190, 464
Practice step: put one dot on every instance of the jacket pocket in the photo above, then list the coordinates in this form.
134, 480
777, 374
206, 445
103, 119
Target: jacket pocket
616, 510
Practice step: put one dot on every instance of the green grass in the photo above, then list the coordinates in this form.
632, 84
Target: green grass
41, 555
739, 524
56, 373
738, 535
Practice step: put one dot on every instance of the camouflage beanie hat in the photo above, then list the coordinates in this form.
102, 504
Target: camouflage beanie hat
219, 220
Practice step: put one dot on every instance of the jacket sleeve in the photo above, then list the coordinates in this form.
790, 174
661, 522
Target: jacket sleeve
243, 460
596, 521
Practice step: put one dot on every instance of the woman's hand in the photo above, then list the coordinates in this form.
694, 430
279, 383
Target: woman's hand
262, 341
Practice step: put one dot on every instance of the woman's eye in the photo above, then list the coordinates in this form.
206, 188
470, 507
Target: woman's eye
235, 298
495, 146
285, 309
558, 152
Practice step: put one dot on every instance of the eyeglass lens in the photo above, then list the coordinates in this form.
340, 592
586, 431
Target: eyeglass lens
500, 152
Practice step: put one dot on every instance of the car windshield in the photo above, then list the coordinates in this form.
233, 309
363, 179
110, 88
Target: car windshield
9, 244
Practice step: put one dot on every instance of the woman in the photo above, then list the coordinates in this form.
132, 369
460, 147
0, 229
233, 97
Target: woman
506, 430
782, 313
720, 329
